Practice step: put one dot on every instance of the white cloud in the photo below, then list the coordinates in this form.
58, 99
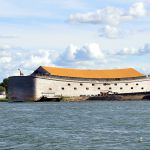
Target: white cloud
134, 51
110, 32
12, 58
108, 15
89, 52
110, 18
137, 10
4, 59
79, 57
69, 53
39, 58
88, 56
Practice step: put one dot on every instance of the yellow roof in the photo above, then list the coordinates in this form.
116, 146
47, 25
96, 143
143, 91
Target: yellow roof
113, 73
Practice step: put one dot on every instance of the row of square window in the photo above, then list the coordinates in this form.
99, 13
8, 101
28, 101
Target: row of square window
100, 88
75, 88
122, 88
103, 84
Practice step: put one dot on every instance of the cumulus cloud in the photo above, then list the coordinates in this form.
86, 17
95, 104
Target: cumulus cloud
137, 10
134, 51
88, 56
88, 53
69, 53
12, 58
110, 18
39, 58
108, 15
111, 32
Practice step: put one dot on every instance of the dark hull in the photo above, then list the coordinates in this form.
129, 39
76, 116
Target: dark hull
119, 97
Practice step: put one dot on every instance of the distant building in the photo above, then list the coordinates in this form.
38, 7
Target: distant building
51, 82
2, 95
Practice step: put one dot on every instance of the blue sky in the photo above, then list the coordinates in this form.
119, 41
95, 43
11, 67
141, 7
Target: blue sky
75, 34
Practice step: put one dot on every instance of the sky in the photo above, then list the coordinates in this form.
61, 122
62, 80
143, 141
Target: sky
81, 34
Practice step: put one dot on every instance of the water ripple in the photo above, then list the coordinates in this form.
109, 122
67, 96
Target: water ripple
74, 126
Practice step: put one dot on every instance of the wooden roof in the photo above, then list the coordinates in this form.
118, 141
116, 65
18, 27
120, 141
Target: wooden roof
104, 74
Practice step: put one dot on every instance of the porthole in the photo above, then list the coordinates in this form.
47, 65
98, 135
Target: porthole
121, 88
87, 88
98, 88
126, 83
109, 88
137, 84
81, 84
75, 88
142, 88
115, 84
93, 84
131, 87
62, 88
69, 84
50, 88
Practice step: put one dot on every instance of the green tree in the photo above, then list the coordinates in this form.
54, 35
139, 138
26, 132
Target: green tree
4, 84
2, 89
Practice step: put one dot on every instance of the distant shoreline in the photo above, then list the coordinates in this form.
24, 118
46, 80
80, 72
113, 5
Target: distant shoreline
4, 100
72, 100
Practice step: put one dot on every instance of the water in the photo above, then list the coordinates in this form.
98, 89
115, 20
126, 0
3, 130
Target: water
75, 126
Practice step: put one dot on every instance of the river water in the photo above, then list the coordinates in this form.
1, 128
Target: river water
75, 125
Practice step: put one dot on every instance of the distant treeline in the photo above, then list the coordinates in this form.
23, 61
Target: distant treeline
4, 85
